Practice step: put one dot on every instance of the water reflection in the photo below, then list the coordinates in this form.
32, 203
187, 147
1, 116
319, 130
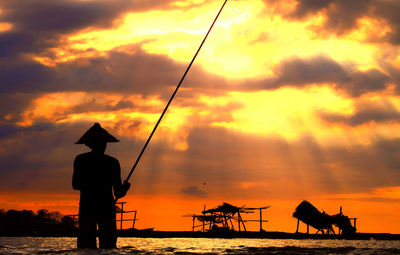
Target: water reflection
38, 245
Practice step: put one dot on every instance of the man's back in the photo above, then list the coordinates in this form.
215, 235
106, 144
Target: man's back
95, 175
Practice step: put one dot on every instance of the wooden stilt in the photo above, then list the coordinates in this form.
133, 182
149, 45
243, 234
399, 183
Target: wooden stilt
225, 224
239, 219
230, 220
134, 219
122, 213
204, 224
244, 226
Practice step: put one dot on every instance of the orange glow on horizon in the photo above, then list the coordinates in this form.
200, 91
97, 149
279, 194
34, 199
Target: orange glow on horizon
166, 212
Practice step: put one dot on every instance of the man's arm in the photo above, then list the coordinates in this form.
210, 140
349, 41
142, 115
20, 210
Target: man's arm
120, 189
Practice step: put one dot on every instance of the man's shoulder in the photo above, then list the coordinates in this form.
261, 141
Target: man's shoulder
111, 159
89, 156
82, 156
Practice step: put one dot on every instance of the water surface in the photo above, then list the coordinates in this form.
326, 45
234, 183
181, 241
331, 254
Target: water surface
46, 245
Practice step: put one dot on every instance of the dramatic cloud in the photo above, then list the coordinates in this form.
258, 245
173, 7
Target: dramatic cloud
388, 11
323, 70
364, 114
343, 16
25, 76
38, 25
305, 7
118, 72
13, 105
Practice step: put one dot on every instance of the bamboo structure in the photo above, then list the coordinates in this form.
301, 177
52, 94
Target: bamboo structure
222, 217
121, 212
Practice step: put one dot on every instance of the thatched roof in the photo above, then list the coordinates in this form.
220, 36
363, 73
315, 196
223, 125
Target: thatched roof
225, 208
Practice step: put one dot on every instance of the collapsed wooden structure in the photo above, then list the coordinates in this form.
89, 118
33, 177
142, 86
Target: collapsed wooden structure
323, 222
222, 218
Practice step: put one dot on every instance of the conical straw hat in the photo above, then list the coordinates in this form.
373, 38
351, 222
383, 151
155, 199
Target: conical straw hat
96, 134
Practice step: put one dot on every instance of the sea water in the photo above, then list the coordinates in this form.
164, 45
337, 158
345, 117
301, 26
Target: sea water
51, 245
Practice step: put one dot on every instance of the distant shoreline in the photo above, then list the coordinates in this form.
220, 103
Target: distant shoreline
228, 235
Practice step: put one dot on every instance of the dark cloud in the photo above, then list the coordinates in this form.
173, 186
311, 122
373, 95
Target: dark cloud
308, 71
321, 70
364, 82
393, 72
364, 114
343, 15
139, 72
147, 74
306, 7
389, 10
194, 191
22, 75
12, 105
118, 72
93, 105
61, 16
38, 25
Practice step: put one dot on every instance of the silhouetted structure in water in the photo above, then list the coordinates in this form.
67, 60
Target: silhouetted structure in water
98, 177
120, 210
323, 222
220, 218
42, 223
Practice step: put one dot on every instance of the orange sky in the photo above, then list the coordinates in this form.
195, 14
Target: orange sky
288, 100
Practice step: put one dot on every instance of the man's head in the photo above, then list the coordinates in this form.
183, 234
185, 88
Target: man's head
96, 138
97, 147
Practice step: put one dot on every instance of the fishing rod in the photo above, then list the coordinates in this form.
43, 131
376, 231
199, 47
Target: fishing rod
173, 95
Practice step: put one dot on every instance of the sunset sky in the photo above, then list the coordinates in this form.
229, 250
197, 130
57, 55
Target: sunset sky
287, 101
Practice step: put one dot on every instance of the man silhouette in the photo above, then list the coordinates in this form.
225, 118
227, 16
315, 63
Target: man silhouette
96, 175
